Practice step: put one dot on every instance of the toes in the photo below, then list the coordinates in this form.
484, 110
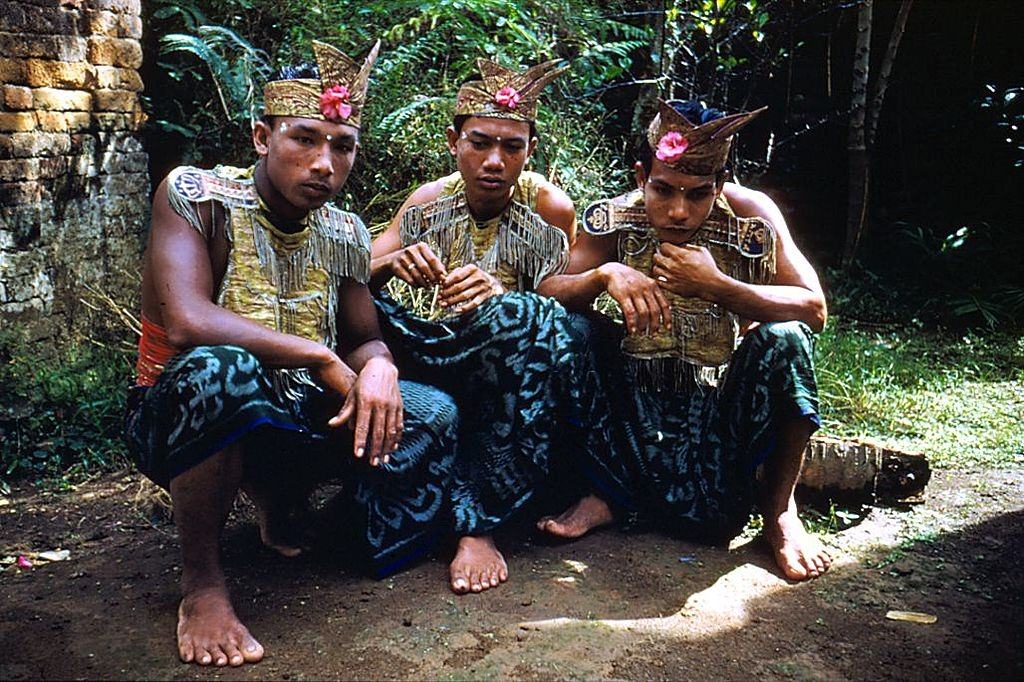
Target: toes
252, 650
503, 573
460, 583
202, 656
219, 657
544, 523
186, 651
234, 655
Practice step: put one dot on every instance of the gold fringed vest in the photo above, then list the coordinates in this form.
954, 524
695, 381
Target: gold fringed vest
695, 352
517, 246
285, 281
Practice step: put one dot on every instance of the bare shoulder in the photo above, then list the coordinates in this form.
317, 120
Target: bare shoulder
750, 203
556, 208
425, 193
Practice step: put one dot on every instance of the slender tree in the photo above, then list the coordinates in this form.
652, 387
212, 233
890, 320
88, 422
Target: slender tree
864, 118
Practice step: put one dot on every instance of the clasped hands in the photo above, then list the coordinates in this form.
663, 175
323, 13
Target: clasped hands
685, 270
462, 289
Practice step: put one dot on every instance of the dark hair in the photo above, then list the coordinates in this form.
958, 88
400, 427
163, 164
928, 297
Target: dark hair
696, 112
460, 121
291, 72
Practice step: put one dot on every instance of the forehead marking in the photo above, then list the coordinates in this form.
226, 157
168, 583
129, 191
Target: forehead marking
283, 127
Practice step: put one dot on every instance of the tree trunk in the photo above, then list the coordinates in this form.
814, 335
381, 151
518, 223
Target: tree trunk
885, 70
646, 104
859, 169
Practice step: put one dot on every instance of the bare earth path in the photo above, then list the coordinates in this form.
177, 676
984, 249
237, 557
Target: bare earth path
608, 606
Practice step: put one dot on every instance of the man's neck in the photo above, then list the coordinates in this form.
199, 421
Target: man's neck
483, 211
283, 214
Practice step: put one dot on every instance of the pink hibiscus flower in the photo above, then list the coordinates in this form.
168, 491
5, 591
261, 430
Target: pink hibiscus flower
334, 103
671, 147
508, 97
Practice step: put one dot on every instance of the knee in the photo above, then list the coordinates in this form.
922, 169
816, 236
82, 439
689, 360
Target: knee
231, 363
793, 336
430, 408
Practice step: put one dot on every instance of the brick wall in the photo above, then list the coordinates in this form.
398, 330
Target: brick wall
73, 183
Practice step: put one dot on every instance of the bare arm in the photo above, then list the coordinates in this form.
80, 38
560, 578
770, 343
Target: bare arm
583, 279
416, 264
794, 294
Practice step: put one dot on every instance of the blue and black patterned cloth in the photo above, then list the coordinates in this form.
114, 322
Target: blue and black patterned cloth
686, 460
524, 392
210, 397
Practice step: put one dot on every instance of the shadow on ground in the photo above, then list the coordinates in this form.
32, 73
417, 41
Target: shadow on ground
610, 605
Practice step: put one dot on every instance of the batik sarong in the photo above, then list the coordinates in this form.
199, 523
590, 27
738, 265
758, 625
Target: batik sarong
515, 371
210, 397
687, 459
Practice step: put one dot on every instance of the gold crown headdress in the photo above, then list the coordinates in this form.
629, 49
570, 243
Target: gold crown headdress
339, 95
694, 149
505, 93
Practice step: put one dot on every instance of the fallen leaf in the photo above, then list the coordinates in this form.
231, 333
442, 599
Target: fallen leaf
577, 566
911, 617
54, 555
567, 580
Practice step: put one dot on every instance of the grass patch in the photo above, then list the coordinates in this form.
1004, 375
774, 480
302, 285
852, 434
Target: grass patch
61, 415
959, 399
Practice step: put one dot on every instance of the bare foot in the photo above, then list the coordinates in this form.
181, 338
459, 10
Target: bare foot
587, 514
284, 531
799, 554
210, 633
477, 566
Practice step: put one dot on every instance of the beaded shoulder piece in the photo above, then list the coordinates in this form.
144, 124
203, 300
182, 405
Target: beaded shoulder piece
696, 351
521, 250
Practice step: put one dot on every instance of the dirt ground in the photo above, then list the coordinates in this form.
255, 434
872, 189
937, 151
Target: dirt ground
613, 605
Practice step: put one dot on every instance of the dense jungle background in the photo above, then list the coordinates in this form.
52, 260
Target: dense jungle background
892, 143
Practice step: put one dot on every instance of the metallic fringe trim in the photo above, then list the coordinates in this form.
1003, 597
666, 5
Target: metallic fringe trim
532, 247
671, 373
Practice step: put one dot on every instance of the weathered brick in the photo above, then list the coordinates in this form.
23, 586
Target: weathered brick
65, 48
116, 51
46, 73
124, 6
24, 145
50, 20
17, 97
114, 100
116, 78
13, 122
109, 121
12, 70
57, 121
12, 170
122, 183
19, 193
101, 23
52, 99
12, 17
130, 26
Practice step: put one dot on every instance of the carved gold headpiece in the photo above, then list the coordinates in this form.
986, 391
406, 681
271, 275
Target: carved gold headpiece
339, 96
504, 93
694, 149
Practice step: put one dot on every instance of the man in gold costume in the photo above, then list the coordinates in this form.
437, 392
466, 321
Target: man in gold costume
478, 242
260, 343
697, 263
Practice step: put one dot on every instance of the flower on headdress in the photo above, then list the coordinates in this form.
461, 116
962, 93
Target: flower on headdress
671, 147
508, 97
334, 103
